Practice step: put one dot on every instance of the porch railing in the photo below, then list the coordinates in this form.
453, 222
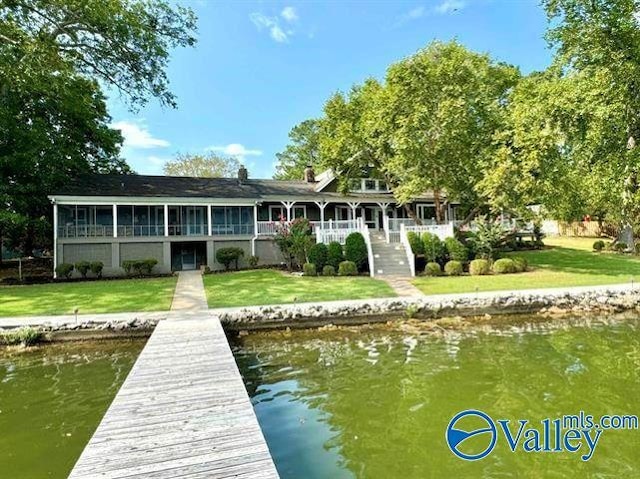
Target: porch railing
188, 230
339, 230
270, 228
441, 231
140, 230
85, 231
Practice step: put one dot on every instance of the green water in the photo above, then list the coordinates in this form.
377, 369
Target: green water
52, 399
375, 402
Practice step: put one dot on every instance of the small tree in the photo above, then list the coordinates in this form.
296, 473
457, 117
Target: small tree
355, 250
294, 240
226, 256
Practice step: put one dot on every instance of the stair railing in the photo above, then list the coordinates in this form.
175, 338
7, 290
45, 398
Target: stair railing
364, 230
407, 248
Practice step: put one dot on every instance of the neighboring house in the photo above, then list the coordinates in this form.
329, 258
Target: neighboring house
183, 221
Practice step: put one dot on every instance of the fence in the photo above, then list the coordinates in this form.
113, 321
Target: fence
579, 228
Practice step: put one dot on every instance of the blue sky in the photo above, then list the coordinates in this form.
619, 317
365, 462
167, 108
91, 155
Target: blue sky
261, 67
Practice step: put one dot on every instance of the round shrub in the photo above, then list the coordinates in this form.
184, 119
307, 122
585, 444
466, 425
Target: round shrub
96, 268
309, 269
504, 266
432, 269
520, 263
226, 256
65, 270
415, 242
253, 261
328, 270
453, 268
620, 247
83, 267
355, 250
318, 255
456, 250
479, 267
347, 268
334, 254
433, 248
598, 245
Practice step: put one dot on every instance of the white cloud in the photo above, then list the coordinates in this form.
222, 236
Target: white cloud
289, 14
272, 24
137, 135
450, 6
413, 14
236, 150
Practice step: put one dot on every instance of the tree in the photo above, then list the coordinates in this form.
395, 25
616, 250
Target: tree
204, 166
303, 150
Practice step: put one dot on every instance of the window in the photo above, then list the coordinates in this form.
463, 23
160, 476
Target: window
299, 211
232, 220
276, 212
426, 212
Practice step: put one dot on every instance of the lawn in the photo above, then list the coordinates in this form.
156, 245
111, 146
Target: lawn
245, 288
152, 294
564, 262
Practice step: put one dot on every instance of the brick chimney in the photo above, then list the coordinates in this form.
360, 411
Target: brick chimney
309, 174
243, 174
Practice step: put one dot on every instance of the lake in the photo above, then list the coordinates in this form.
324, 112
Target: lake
375, 401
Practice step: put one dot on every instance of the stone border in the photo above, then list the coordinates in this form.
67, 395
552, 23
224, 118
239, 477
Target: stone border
611, 298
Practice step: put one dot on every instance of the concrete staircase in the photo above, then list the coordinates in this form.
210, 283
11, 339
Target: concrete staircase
389, 259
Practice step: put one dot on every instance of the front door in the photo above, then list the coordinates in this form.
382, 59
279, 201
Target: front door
188, 258
371, 217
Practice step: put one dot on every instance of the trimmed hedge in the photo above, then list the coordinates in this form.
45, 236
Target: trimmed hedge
65, 270
433, 248
432, 269
334, 254
520, 263
309, 269
598, 245
347, 268
479, 267
139, 267
355, 250
504, 266
453, 268
83, 267
318, 255
96, 268
328, 270
226, 256
456, 251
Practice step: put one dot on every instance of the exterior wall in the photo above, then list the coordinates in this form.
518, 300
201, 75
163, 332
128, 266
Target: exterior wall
245, 245
131, 251
268, 252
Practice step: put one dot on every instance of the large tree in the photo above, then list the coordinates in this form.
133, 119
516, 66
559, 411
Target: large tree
203, 166
303, 150
54, 57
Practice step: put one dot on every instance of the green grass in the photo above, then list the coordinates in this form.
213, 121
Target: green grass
152, 294
257, 287
565, 262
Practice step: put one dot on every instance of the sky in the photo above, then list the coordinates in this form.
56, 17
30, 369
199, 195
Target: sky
259, 68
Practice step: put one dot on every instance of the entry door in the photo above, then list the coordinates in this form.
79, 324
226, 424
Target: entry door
371, 217
188, 258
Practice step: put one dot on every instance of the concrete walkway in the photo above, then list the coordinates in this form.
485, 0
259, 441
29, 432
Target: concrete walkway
402, 286
189, 294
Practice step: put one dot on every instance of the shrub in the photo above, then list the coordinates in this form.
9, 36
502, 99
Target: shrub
347, 268
96, 268
145, 266
27, 336
318, 255
309, 269
453, 268
415, 242
128, 265
355, 250
504, 266
433, 248
598, 245
226, 256
456, 250
637, 249
65, 270
207, 270
521, 264
488, 238
334, 254
432, 269
253, 261
479, 267
294, 240
620, 247
328, 270
82, 267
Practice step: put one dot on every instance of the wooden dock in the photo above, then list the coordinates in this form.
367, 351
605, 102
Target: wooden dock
182, 412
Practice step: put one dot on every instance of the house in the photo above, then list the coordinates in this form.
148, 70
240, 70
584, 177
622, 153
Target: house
182, 221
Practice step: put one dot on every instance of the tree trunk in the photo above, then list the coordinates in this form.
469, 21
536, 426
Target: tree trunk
470, 216
412, 214
438, 205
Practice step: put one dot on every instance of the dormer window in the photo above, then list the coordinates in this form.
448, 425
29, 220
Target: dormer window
369, 185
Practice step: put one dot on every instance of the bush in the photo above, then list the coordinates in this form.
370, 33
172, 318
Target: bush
456, 250
415, 242
620, 247
318, 255
139, 267
83, 267
479, 267
334, 254
253, 261
355, 250
127, 265
309, 269
433, 248
96, 268
65, 270
453, 268
521, 264
347, 268
26, 336
226, 256
432, 269
504, 266
328, 270
598, 245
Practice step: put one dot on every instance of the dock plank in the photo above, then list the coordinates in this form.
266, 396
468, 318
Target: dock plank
182, 412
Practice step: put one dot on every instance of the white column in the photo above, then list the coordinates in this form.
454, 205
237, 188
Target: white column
115, 221
166, 220
255, 229
208, 219
322, 205
288, 205
55, 238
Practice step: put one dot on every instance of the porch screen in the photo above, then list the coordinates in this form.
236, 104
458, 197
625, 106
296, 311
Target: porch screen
232, 220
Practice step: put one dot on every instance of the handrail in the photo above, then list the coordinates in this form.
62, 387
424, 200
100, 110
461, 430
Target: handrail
407, 248
364, 230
